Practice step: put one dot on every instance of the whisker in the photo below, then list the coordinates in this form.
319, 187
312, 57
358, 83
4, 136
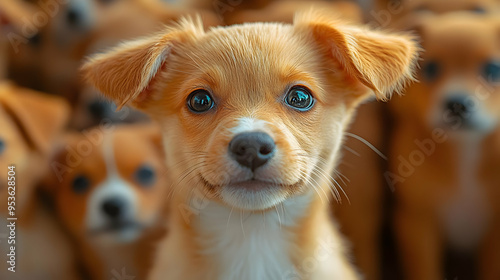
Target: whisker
368, 144
351, 150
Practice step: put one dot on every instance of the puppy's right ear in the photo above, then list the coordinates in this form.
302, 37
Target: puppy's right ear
127, 72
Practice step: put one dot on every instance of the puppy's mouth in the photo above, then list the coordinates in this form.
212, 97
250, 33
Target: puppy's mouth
250, 185
253, 194
117, 227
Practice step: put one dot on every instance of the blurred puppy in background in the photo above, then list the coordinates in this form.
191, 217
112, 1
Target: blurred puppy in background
109, 190
445, 153
30, 123
12, 13
216, 90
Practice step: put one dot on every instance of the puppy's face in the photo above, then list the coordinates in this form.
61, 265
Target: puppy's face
110, 183
459, 85
257, 111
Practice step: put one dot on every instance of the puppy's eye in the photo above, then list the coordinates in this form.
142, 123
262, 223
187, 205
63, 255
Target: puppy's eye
492, 72
145, 175
300, 98
431, 71
80, 184
200, 101
2, 146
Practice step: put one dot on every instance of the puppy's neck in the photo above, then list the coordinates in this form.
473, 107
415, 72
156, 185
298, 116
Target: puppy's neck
236, 244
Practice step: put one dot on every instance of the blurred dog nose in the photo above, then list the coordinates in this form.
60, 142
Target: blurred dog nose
73, 17
114, 208
98, 109
458, 104
252, 149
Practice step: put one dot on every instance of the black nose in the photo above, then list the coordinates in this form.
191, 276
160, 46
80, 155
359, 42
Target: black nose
99, 109
458, 105
73, 17
252, 149
114, 207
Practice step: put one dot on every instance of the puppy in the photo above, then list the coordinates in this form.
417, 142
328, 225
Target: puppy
108, 187
252, 118
445, 148
30, 123
359, 212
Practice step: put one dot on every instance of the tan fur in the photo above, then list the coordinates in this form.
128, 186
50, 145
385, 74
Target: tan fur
460, 44
133, 146
11, 14
30, 122
247, 67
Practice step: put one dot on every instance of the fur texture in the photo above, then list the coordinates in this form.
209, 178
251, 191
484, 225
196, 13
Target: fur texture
248, 70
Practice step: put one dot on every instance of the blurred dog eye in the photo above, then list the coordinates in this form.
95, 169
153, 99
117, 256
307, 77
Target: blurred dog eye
431, 71
492, 72
478, 10
81, 183
300, 98
2, 146
145, 175
200, 101
35, 40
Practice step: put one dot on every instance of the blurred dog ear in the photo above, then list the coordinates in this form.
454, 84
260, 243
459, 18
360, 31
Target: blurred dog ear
40, 118
381, 61
127, 72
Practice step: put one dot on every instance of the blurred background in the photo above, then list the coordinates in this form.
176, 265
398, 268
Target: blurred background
421, 173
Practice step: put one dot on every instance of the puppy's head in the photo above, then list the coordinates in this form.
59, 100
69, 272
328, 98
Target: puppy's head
254, 113
108, 185
459, 76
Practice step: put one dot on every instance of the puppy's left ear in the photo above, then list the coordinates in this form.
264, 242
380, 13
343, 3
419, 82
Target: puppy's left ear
127, 72
40, 117
381, 61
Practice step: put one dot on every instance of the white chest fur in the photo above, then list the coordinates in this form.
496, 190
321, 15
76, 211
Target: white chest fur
465, 214
250, 246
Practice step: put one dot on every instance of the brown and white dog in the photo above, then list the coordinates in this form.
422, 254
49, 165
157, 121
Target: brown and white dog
253, 118
109, 188
30, 123
445, 153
